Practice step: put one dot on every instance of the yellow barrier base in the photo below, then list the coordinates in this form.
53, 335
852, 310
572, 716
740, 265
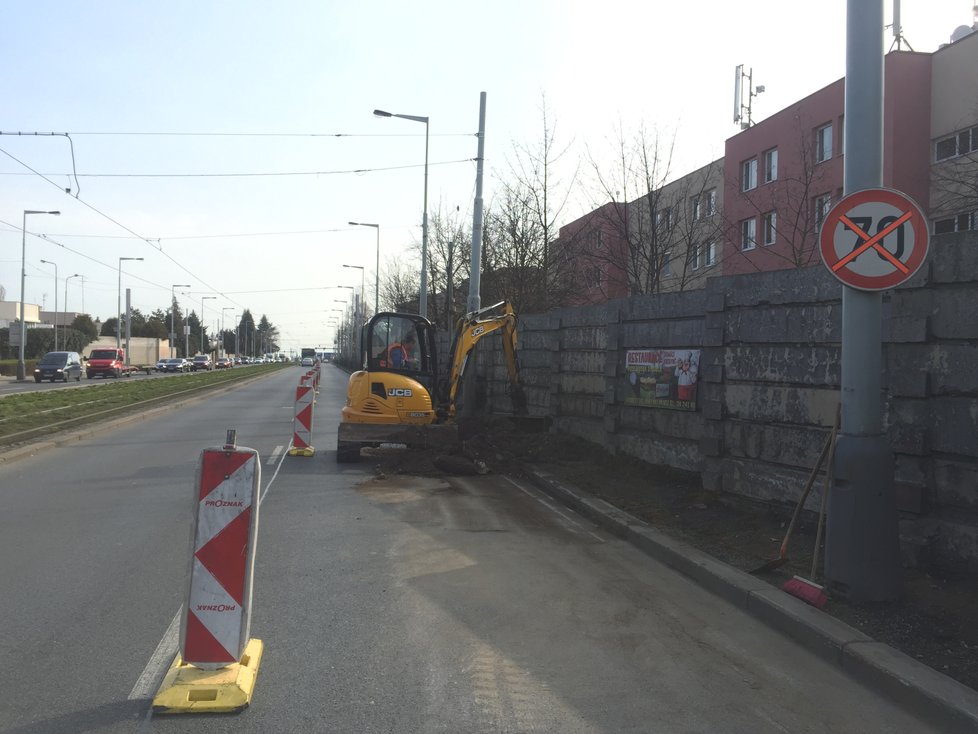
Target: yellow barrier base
190, 690
307, 451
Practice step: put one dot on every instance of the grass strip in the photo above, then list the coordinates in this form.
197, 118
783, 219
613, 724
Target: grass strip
26, 415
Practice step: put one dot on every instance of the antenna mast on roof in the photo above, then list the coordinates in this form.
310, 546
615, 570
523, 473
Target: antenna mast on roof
898, 39
739, 107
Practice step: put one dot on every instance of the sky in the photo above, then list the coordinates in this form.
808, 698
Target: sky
163, 101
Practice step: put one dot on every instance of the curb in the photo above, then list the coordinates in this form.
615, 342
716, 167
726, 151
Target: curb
924, 692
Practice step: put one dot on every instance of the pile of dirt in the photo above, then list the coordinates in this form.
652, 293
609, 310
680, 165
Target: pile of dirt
933, 622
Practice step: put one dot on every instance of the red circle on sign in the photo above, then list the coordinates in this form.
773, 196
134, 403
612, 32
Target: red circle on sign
848, 234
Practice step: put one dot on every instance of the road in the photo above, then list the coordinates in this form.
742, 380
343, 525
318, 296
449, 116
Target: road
385, 605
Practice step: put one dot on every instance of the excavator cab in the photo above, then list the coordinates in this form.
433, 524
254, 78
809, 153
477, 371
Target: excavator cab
403, 344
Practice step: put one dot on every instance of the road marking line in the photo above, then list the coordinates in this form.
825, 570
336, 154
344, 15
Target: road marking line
277, 469
554, 508
159, 661
274, 456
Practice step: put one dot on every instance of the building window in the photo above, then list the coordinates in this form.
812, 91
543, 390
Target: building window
823, 143
748, 175
695, 257
748, 234
667, 264
663, 219
711, 202
822, 205
961, 143
960, 223
770, 228
710, 254
771, 165
695, 209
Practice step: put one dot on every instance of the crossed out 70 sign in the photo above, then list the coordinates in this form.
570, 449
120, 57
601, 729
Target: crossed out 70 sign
874, 239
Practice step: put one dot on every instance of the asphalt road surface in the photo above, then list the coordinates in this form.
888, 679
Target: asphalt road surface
385, 605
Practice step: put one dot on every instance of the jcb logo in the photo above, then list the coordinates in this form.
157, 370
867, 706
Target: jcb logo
396, 392
478, 330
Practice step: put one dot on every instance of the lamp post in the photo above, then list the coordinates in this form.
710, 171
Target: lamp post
224, 351
21, 368
423, 300
64, 331
48, 262
118, 303
173, 308
202, 299
362, 314
377, 272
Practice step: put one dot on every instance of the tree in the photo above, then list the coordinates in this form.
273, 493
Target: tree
399, 286
524, 223
954, 183
83, 323
108, 327
643, 223
246, 333
268, 336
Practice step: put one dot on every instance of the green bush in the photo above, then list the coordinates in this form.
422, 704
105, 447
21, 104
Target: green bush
8, 367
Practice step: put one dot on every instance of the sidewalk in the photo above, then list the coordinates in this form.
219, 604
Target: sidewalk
927, 693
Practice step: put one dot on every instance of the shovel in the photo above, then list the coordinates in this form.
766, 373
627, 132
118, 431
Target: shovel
783, 555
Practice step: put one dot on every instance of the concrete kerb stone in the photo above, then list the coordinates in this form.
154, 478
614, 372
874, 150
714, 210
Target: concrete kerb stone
30, 448
919, 688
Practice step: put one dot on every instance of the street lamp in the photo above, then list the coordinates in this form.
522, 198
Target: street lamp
377, 274
118, 303
48, 262
21, 368
423, 305
65, 325
173, 308
202, 299
362, 271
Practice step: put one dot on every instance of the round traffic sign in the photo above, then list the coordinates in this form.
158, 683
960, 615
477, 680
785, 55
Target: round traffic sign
874, 239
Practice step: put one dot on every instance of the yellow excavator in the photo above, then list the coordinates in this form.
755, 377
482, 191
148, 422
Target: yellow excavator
399, 397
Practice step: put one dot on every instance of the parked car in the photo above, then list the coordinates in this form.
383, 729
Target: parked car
201, 362
177, 364
224, 363
59, 366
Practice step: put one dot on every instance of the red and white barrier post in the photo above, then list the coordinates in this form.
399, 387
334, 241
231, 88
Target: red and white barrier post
218, 662
302, 422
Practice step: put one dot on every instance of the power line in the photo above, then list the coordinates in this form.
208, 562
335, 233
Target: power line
266, 174
245, 135
117, 223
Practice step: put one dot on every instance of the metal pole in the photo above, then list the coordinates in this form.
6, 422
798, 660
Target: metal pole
475, 268
128, 322
377, 276
21, 366
862, 553
424, 232
48, 262
64, 332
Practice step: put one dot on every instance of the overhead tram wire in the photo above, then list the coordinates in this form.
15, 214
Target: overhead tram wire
117, 223
269, 174
244, 135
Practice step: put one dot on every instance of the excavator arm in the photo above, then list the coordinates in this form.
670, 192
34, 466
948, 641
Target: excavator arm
470, 329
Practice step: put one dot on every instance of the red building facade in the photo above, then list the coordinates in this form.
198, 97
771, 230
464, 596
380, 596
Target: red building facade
785, 173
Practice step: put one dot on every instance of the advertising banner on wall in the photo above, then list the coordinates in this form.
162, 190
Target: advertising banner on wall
661, 378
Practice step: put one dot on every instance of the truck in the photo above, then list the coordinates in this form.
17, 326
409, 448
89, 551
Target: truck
108, 362
399, 396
